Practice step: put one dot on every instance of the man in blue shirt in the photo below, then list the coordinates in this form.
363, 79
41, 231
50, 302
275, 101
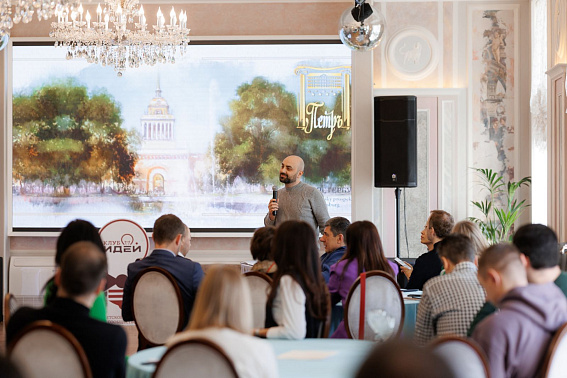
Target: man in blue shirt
334, 241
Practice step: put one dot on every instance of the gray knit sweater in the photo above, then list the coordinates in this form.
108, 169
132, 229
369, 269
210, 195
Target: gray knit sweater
301, 202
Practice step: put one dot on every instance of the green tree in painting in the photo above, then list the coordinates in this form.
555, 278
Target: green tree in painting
62, 136
262, 130
255, 135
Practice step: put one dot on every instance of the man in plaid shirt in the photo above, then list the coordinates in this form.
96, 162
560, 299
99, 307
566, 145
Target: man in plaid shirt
450, 302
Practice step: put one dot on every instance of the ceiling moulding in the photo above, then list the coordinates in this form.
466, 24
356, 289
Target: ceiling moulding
311, 1
239, 1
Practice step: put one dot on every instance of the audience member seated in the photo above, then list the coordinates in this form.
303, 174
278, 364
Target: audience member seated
472, 231
80, 279
439, 224
538, 245
261, 249
185, 245
516, 337
168, 234
298, 300
334, 240
402, 359
424, 239
364, 252
450, 302
77, 230
222, 314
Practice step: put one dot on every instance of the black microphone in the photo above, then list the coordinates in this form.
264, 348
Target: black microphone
275, 196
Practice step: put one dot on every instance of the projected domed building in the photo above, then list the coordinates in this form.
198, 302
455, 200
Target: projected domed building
163, 167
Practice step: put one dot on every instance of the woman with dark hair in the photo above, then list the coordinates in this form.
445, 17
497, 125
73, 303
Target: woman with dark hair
364, 253
261, 250
75, 231
298, 301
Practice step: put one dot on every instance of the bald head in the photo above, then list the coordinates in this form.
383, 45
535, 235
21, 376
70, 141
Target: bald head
291, 170
296, 161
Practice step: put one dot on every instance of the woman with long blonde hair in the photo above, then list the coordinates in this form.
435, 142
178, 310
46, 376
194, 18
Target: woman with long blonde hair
222, 313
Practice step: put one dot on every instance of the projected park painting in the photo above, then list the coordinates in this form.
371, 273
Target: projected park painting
202, 138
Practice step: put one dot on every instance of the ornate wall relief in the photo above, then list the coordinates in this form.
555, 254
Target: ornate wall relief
412, 53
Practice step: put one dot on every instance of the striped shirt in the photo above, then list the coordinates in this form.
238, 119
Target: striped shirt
449, 304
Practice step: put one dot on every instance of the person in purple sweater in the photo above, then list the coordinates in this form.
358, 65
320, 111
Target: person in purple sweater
364, 253
516, 338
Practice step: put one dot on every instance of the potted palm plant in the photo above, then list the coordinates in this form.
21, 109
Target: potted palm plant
500, 209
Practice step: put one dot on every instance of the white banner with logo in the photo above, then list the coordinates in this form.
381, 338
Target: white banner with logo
125, 241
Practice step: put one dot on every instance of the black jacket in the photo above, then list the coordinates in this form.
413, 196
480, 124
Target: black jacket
426, 266
104, 344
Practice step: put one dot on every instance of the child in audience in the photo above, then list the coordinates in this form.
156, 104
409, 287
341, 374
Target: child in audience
364, 253
298, 302
223, 314
261, 250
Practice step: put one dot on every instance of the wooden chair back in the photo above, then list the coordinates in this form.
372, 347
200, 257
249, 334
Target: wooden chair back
157, 306
259, 284
45, 349
198, 358
463, 356
374, 309
10, 306
555, 360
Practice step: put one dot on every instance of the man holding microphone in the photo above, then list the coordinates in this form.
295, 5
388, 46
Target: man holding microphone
297, 200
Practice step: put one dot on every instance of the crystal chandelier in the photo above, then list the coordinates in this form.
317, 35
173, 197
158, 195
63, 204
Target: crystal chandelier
23, 10
119, 36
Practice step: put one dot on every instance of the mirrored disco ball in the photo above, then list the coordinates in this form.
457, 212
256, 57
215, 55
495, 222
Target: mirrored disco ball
361, 36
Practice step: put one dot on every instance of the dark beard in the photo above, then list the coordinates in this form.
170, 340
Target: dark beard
285, 179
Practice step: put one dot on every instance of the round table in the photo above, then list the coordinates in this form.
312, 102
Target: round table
309, 358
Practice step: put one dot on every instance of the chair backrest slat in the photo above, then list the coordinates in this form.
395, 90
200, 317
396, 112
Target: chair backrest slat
10, 306
259, 284
45, 349
374, 309
463, 356
555, 361
157, 306
197, 358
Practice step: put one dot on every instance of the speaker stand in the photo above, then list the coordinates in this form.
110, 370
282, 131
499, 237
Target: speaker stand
398, 193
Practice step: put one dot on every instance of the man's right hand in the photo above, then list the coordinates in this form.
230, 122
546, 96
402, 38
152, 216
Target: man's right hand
272, 206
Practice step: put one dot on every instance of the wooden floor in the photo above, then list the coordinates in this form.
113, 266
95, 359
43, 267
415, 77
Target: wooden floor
130, 329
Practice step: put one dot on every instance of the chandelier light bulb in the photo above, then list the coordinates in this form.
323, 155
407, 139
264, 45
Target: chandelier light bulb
172, 17
120, 37
365, 32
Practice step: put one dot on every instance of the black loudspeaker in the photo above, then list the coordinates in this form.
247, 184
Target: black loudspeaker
395, 142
